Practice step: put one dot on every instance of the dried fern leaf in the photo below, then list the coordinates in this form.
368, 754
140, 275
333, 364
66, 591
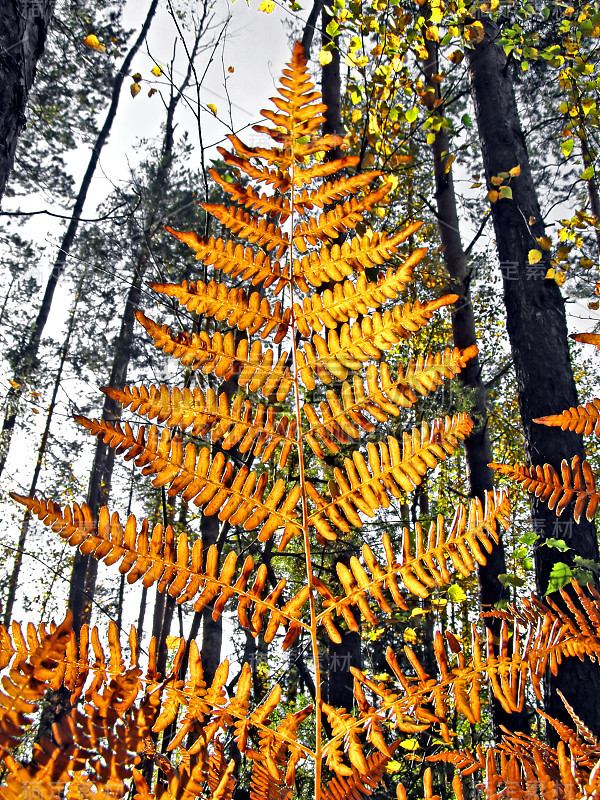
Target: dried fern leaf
587, 338
235, 260
426, 561
246, 196
576, 482
354, 255
345, 729
177, 567
364, 341
347, 300
342, 417
25, 685
341, 218
235, 423
390, 472
255, 230
358, 784
581, 419
219, 355
251, 314
332, 191
211, 483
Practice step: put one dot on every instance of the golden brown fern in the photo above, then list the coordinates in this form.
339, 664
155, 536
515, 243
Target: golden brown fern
329, 320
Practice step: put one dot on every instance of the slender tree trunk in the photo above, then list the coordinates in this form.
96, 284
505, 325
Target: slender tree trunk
478, 448
23, 29
14, 577
27, 357
537, 330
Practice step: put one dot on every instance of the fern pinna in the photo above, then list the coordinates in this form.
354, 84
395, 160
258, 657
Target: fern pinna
313, 319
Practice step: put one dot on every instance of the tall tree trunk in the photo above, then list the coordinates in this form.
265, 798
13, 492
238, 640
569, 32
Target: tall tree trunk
27, 356
23, 29
478, 448
537, 330
14, 577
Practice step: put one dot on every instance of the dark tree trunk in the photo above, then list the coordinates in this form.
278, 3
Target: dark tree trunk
478, 448
27, 356
23, 29
537, 329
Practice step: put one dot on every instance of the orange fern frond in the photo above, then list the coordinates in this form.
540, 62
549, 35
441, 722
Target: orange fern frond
395, 469
355, 255
342, 418
425, 562
329, 192
576, 482
26, 683
235, 260
364, 341
257, 231
581, 419
251, 314
348, 300
177, 568
235, 423
221, 355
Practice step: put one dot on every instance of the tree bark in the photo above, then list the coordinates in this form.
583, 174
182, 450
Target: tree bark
537, 330
23, 29
27, 357
478, 449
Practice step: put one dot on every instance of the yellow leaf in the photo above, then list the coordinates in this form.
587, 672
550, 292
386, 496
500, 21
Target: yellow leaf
586, 263
410, 744
416, 612
515, 171
492, 195
134, 88
449, 161
475, 32
325, 57
212, 107
432, 33
392, 767
172, 642
267, 6
156, 70
356, 114
497, 180
534, 256
410, 636
436, 16
544, 242
15, 385
93, 43
456, 57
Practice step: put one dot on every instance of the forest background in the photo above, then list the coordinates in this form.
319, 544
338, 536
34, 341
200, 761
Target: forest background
143, 113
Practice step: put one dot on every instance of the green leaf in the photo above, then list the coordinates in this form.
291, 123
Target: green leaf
511, 580
505, 192
411, 114
587, 174
456, 593
560, 575
558, 544
567, 147
587, 563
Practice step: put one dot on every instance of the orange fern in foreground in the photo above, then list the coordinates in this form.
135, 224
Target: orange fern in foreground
297, 364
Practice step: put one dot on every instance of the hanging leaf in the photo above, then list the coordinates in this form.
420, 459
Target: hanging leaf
93, 43
135, 88
534, 256
156, 70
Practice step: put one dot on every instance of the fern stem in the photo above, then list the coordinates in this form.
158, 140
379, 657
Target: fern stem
305, 530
